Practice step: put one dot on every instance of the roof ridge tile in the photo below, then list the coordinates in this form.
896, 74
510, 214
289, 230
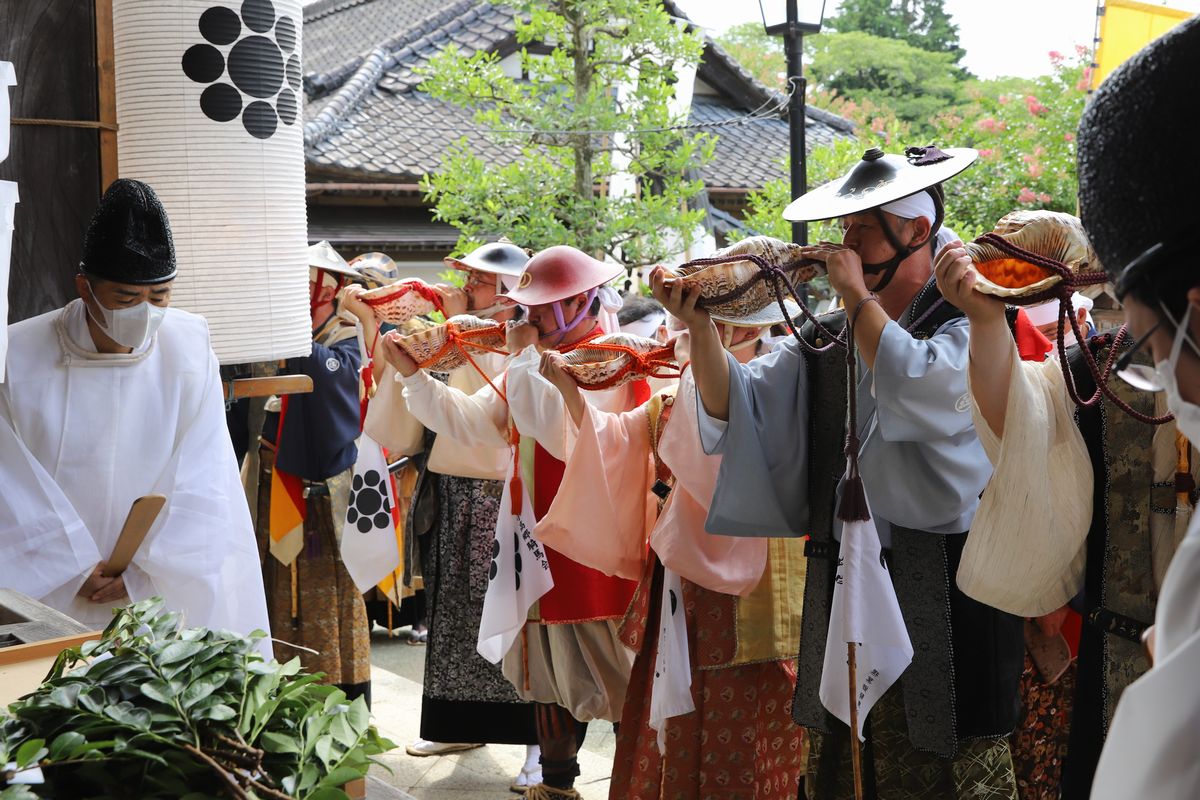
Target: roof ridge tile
322, 83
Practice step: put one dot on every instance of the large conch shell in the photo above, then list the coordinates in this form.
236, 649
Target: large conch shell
617, 359
399, 302
444, 347
1051, 234
718, 279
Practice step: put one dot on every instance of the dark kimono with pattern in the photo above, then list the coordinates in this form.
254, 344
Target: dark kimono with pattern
1119, 596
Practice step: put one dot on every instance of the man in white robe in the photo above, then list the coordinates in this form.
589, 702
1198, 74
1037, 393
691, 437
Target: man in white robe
111, 398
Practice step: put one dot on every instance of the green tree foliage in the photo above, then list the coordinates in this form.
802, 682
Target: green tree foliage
761, 54
866, 68
594, 108
920, 23
1025, 133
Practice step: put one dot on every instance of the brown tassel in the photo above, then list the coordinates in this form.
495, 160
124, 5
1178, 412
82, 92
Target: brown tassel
853, 507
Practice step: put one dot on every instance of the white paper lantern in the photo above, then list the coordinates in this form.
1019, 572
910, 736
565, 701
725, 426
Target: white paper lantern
8, 206
8, 77
208, 105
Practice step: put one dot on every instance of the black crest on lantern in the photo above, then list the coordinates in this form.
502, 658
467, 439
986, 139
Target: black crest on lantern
254, 52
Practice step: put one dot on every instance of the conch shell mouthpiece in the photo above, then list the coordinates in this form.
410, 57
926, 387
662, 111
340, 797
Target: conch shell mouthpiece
611, 364
437, 343
716, 280
1051, 234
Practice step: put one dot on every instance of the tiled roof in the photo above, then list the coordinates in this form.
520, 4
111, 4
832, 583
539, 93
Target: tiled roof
751, 153
335, 31
366, 118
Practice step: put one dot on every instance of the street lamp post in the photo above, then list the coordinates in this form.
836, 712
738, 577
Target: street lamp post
792, 19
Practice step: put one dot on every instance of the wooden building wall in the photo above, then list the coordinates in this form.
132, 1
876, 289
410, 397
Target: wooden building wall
52, 45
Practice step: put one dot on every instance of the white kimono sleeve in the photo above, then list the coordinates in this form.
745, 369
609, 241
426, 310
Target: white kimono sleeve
1026, 550
538, 409
474, 420
762, 487
201, 555
46, 546
920, 385
921, 460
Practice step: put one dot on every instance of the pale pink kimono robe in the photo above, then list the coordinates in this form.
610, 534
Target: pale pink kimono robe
609, 526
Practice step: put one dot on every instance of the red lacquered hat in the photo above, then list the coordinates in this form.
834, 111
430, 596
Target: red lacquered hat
558, 273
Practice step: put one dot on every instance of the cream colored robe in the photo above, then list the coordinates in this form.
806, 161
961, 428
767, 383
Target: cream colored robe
1026, 552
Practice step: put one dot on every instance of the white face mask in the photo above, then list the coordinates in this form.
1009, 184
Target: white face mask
1187, 415
128, 327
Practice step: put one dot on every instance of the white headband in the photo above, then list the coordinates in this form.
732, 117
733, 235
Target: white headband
913, 206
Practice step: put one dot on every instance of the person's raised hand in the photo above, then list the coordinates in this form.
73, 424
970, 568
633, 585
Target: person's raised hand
844, 268
956, 275
349, 299
520, 335
396, 355
454, 299
551, 368
680, 302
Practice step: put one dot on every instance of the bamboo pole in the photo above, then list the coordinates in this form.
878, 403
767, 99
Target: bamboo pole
106, 91
855, 745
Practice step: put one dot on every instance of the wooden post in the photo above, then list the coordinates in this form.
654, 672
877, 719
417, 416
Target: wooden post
855, 745
106, 91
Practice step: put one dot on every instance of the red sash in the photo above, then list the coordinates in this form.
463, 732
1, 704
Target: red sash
580, 594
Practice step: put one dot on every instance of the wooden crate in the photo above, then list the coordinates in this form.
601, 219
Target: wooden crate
31, 637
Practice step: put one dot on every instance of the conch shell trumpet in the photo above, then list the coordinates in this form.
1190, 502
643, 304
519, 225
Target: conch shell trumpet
716, 280
445, 347
617, 358
399, 302
1052, 235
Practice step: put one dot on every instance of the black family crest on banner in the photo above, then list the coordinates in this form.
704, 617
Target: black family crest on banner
370, 507
254, 52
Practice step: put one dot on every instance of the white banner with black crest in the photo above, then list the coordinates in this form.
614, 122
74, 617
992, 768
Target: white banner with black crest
208, 104
518, 577
865, 611
671, 690
369, 548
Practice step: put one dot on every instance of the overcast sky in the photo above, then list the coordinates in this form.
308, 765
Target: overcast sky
1009, 38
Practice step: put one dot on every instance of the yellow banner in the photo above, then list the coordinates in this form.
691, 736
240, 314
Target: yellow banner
1127, 26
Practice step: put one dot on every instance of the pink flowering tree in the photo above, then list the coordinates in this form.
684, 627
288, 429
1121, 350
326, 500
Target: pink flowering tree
1025, 134
1024, 131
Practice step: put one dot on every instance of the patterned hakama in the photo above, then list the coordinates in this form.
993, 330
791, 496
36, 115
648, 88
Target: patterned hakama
465, 697
330, 616
740, 742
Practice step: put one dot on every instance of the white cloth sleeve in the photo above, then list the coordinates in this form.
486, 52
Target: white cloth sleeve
1026, 550
46, 546
475, 420
201, 554
538, 409
921, 384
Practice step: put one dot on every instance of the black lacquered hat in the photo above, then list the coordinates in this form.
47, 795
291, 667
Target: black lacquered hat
129, 238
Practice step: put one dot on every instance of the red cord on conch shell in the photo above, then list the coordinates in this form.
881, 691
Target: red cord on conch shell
401, 301
652, 362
